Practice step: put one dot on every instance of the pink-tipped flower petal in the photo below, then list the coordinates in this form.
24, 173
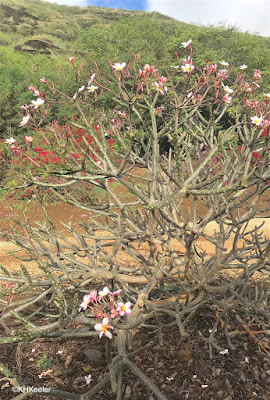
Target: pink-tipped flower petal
104, 292
103, 327
123, 308
86, 301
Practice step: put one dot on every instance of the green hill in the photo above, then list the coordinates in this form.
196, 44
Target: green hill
37, 37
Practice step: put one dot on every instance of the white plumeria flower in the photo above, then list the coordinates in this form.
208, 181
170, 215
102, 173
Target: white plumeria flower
25, 120
92, 77
116, 293
92, 88
10, 140
224, 63
37, 103
104, 292
227, 99
244, 66
186, 44
187, 68
118, 66
103, 327
227, 89
81, 89
186, 60
123, 308
86, 300
74, 97
256, 120
88, 379
160, 88
222, 72
225, 351
267, 95
257, 74
59, 352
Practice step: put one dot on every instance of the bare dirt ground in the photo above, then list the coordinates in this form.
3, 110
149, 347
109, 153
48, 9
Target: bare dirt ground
65, 213
182, 369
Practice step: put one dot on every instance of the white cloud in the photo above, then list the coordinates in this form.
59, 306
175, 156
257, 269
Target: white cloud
80, 3
245, 14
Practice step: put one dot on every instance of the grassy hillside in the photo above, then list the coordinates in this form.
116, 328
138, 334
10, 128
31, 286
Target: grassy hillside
35, 26
37, 38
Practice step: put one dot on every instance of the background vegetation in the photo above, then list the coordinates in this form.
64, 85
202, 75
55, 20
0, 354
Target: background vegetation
37, 38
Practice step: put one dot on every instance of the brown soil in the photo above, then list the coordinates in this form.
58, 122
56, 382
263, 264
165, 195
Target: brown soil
181, 369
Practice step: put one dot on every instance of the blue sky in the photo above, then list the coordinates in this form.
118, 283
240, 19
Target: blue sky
247, 15
126, 4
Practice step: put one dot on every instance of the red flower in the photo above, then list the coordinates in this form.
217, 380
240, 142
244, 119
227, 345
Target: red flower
80, 132
44, 153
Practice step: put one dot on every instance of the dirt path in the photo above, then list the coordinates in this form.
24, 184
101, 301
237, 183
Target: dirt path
66, 213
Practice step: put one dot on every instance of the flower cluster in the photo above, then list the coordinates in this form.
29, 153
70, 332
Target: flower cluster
109, 134
103, 305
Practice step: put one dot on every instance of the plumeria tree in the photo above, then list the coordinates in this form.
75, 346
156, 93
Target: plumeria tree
174, 135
